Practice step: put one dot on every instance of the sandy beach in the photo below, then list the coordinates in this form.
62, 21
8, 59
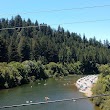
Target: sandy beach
86, 83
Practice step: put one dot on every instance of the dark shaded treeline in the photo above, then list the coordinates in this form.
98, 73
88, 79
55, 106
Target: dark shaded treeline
47, 44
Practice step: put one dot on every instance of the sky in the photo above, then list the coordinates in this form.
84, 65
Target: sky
40, 10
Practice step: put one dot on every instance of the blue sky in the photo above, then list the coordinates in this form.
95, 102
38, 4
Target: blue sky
101, 30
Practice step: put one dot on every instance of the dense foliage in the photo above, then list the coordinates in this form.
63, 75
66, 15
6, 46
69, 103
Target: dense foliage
103, 87
16, 73
48, 45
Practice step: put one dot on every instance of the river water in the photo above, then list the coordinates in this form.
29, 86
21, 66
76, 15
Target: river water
55, 89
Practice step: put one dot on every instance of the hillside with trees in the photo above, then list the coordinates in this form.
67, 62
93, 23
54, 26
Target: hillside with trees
48, 45
31, 51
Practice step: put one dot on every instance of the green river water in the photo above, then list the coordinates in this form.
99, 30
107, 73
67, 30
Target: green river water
53, 88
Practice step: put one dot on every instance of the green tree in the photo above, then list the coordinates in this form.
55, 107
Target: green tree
12, 51
18, 21
24, 49
3, 51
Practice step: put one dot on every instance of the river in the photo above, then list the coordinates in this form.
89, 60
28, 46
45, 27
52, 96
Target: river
55, 89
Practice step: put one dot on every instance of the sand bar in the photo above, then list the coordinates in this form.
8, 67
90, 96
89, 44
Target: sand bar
85, 84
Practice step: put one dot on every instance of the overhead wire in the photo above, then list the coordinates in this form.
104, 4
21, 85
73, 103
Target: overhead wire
68, 23
58, 10
54, 101
66, 9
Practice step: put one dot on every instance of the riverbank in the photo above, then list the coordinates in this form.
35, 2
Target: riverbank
86, 83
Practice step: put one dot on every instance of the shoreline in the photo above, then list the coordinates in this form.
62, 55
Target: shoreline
86, 83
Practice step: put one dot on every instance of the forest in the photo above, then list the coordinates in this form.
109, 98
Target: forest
31, 51
48, 45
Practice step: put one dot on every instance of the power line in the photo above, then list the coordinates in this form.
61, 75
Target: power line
21, 27
58, 10
89, 21
69, 23
54, 101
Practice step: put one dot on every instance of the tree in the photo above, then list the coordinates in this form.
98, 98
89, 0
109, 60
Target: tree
49, 31
18, 21
89, 67
3, 50
12, 51
37, 25
24, 49
84, 39
43, 28
35, 49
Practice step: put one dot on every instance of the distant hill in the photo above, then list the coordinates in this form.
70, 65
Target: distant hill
47, 44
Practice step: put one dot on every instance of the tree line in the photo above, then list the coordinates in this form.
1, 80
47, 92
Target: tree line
16, 73
47, 44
